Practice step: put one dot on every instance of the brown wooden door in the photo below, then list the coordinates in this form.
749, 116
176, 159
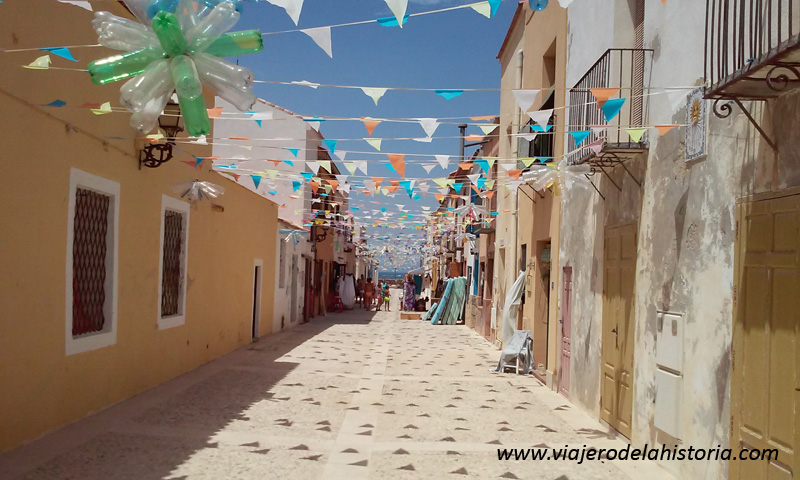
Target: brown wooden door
616, 400
566, 328
765, 384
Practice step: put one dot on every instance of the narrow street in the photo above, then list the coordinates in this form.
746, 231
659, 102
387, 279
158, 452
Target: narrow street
351, 395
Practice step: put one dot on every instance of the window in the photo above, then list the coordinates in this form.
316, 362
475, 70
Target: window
172, 263
281, 263
92, 262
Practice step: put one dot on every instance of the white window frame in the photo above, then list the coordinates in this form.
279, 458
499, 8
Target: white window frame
175, 205
107, 336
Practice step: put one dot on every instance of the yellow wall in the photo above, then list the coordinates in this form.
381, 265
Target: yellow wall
42, 388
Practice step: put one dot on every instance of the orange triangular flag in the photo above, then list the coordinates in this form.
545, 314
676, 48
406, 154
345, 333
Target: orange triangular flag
465, 165
333, 183
485, 117
396, 159
314, 186
392, 189
377, 181
276, 162
474, 137
214, 112
370, 124
603, 94
438, 196
367, 192
663, 2
514, 173
395, 183
240, 138
662, 129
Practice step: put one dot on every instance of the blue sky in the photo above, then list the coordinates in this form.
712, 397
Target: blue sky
447, 50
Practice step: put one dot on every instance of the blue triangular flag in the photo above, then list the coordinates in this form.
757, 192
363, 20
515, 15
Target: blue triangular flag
580, 135
416, 196
62, 52
289, 162
457, 186
391, 21
538, 128
612, 107
296, 185
449, 94
481, 182
483, 163
307, 175
273, 192
331, 145
256, 180
494, 4
56, 103
258, 122
293, 150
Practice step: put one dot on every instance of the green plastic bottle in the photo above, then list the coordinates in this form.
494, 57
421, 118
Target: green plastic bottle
236, 43
123, 66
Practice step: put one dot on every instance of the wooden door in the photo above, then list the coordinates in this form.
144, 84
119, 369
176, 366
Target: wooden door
566, 328
616, 400
765, 383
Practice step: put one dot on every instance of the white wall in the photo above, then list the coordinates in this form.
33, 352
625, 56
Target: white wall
282, 314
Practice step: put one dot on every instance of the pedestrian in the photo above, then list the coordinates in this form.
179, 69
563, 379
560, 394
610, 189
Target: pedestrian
408, 294
385, 295
360, 290
369, 292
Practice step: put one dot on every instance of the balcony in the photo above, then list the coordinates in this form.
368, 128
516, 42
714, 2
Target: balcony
622, 68
752, 49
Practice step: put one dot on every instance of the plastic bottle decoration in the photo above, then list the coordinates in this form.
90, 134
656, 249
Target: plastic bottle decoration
538, 5
195, 190
561, 176
176, 48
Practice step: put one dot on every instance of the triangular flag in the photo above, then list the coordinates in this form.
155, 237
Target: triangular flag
486, 129
483, 163
438, 196
541, 117
636, 133
397, 162
528, 161
41, 63
340, 154
489, 184
362, 165
256, 180
474, 137
351, 167
314, 166
292, 7
293, 150
104, 109
214, 112
374, 93
482, 119
374, 143
602, 95
662, 129
442, 182
429, 125
514, 173
306, 83
79, 3
307, 175
474, 177
525, 98
391, 21
296, 185
528, 137
314, 186
398, 8
428, 167
495, 4
465, 165
483, 8
56, 103
449, 94
611, 108
370, 124
596, 146
326, 164
62, 52
443, 160
334, 183
331, 144
580, 135
322, 37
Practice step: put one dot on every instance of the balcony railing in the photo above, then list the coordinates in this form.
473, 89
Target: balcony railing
752, 49
623, 68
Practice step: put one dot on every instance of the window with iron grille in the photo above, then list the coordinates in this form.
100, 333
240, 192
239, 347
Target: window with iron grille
172, 263
171, 273
89, 252
91, 263
282, 264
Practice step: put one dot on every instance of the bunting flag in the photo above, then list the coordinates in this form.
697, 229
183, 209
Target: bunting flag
528, 161
457, 186
307, 175
487, 129
580, 135
296, 185
314, 187
439, 197
429, 125
292, 7
377, 181
449, 94
340, 154
322, 37
428, 167
331, 144
489, 184
214, 112
314, 166
256, 180
528, 137
351, 167
663, 129
370, 124
391, 21
56, 103
293, 150
443, 160
484, 118
601, 95
41, 63
514, 173
374, 93
525, 98
541, 117
333, 183
62, 52
326, 164
596, 146
484, 8
398, 163
306, 83
474, 178
398, 8
636, 133
465, 165
104, 109
362, 165
374, 143
611, 108
79, 3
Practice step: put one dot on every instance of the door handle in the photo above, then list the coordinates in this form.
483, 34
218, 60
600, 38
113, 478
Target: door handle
616, 337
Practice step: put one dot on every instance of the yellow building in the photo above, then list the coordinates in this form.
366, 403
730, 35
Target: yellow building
96, 305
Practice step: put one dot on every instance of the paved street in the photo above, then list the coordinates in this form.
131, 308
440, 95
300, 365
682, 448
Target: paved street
353, 395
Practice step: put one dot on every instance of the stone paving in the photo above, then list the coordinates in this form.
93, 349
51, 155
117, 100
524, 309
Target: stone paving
349, 396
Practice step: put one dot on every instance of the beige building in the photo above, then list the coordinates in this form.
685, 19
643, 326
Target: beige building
111, 283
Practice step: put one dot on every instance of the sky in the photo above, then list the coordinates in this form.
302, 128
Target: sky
455, 49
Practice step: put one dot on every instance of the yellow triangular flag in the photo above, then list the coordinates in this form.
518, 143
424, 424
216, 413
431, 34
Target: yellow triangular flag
528, 161
483, 8
104, 108
326, 164
486, 129
374, 143
41, 63
636, 133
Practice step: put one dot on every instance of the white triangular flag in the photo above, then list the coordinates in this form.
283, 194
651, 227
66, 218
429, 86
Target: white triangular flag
326, 164
525, 98
351, 167
508, 166
474, 178
528, 137
340, 154
40, 63
428, 167
79, 3
292, 7
423, 139
374, 143
398, 8
314, 125
443, 160
429, 125
374, 93
362, 165
322, 37
486, 129
306, 83
314, 166
541, 117
483, 8
201, 140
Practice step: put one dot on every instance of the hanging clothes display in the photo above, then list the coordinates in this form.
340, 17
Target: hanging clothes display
348, 291
408, 295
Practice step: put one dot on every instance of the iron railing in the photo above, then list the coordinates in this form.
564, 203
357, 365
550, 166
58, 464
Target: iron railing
749, 48
622, 68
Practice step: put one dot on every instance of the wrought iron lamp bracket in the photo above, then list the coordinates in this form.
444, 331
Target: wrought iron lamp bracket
724, 110
154, 155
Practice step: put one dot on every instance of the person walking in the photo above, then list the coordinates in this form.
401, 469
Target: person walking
385, 295
369, 292
360, 290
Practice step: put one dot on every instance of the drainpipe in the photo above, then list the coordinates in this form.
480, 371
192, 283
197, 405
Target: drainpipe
520, 61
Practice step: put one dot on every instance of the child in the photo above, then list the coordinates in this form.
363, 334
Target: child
385, 295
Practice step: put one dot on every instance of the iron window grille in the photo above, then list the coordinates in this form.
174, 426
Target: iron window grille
89, 252
172, 269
